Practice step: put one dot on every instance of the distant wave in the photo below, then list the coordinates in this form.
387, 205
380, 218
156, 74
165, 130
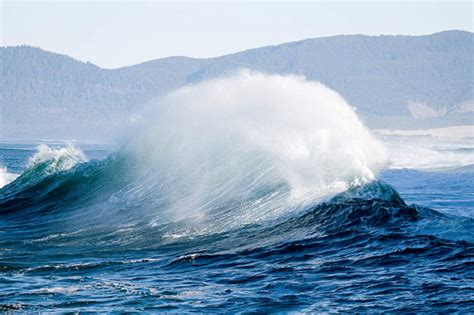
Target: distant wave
426, 154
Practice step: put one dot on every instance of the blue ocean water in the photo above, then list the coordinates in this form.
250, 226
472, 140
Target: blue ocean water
79, 235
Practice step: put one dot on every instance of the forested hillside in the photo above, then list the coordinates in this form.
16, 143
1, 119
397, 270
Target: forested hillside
394, 81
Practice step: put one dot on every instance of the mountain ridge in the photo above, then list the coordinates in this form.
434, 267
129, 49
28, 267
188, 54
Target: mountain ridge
240, 51
380, 75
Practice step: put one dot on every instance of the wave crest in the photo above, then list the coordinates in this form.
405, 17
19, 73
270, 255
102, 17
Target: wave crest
52, 160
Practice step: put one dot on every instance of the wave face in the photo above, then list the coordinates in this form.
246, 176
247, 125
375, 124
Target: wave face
247, 193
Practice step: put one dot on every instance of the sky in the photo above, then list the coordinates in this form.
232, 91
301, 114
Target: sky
113, 34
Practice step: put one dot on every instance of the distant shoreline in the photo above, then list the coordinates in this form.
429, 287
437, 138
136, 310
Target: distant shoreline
454, 132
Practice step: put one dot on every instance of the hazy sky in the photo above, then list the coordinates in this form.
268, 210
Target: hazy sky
113, 34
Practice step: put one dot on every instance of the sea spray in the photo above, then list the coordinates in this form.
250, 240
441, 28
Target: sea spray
56, 159
6, 177
255, 143
210, 157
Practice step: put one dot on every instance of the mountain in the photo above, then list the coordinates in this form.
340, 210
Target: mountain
393, 81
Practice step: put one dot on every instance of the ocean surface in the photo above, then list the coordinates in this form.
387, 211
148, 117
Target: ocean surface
249, 193
72, 238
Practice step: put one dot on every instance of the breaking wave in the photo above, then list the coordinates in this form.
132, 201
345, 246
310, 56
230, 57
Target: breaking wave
248, 191
220, 154
211, 158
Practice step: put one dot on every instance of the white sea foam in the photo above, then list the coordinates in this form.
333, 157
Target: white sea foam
430, 153
254, 141
54, 160
57, 159
6, 177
